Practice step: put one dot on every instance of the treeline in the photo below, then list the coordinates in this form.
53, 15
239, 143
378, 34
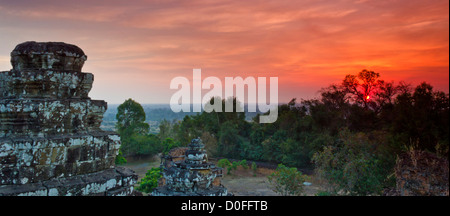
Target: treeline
153, 112
157, 113
352, 133
398, 116
134, 133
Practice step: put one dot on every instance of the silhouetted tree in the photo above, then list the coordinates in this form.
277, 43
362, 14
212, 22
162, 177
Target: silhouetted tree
363, 87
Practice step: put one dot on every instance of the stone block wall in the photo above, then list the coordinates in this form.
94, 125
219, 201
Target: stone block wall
29, 160
110, 182
45, 83
37, 117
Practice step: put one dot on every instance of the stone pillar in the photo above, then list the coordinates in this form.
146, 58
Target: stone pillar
50, 140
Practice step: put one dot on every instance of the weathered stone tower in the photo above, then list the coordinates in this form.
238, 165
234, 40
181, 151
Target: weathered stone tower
50, 140
193, 176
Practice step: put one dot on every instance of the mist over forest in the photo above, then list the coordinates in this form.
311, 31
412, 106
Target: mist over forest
156, 113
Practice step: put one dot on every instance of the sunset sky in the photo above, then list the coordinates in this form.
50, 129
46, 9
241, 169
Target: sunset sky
135, 48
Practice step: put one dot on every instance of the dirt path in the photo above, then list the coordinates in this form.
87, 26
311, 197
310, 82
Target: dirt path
141, 166
242, 182
248, 186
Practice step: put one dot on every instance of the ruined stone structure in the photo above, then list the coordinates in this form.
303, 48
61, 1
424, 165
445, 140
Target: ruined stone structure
193, 176
50, 140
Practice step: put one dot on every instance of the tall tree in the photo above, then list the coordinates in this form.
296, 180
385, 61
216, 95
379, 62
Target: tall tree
229, 140
132, 128
362, 86
131, 116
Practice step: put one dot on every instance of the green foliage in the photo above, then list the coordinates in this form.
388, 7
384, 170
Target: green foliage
309, 133
229, 170
211, 145
229, 141
120, 160
169, 144
130, 118
234, 165
254, 168
146, 144
226, 164
224, 132
134, 136
243, 163
351, 166
132, 129
287, 181
271, 146
223, 163
150, 181
166, 130
421, 118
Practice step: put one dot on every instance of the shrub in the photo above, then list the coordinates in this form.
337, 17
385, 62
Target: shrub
150, 181
243, 163
287, 181
234, 165
120, 159
229, 170
223, 163
254, 168
168, 144
350, 166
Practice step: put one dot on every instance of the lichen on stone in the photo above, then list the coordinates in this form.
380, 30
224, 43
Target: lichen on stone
50, 128
193, 176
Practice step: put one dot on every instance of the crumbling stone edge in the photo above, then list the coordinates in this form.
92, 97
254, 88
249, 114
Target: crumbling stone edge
118, 181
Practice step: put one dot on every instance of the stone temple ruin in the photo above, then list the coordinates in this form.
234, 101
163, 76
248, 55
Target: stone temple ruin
50, 140
190, 174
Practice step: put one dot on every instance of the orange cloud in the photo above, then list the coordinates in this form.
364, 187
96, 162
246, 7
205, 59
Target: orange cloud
135, 49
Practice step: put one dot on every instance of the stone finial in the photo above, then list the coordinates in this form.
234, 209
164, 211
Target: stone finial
47, 55
46, 70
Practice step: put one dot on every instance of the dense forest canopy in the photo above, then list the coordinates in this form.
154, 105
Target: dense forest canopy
352, 133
